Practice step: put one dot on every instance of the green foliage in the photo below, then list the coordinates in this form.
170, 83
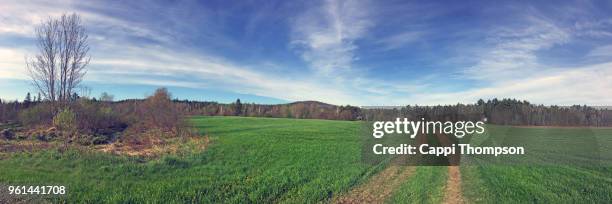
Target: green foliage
65, 120
40, 114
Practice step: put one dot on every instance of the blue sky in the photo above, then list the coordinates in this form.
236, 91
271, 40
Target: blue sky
340, 52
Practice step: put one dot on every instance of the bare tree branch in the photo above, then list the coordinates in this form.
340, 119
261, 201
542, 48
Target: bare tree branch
59, 67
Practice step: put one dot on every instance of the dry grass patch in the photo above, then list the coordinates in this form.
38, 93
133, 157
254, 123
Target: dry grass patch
155, 146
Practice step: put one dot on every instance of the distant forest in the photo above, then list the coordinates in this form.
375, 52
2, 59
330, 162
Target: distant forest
503, 112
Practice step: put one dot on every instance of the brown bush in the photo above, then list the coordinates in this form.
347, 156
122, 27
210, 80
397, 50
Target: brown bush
39, 115
97, 118
158, 111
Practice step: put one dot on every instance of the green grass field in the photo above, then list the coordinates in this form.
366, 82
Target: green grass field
249, 160
266, 160
561, 165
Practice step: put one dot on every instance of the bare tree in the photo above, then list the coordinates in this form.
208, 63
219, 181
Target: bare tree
61, 63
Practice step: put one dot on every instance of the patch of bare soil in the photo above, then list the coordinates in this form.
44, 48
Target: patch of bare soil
382, 185
379, 187
453, 193
154, 146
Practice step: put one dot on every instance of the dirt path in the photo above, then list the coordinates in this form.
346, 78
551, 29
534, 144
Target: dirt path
382, 185
379, 187
453, 193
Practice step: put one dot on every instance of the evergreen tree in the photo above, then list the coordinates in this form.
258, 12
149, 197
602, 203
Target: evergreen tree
74, 97
27, 100
238, 107
480, 102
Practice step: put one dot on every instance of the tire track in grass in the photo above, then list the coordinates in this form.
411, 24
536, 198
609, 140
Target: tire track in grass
379, 187
452, 192
382, 185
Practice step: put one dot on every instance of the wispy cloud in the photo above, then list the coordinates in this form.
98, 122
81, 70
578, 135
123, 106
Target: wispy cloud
513, 53
604, 51
192, 46
399, 40
597, 28
578, 85
510, 68
119, 60
12, 63
325, 36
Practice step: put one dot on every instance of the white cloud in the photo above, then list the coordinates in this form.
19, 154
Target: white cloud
399, 40
595, 28
326, 35
12, 63
578, 85
202, 71
19, 17
511, 69
513, 53
601, 51
119, 61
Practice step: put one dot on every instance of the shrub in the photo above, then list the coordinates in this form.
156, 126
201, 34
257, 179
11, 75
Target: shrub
95, 117
41, 114
65, 120
158, 112
84, 139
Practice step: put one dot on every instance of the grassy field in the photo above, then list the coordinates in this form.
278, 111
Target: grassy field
266, 160
425, 186
561, 165
249, 160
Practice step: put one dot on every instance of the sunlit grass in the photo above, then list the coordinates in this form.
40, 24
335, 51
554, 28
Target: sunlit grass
248, 160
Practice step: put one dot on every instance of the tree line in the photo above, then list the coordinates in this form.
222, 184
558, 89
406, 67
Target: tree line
502, 112
495, 111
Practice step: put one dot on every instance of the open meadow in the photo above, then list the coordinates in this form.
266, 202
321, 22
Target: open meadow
270, 160
248, 160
